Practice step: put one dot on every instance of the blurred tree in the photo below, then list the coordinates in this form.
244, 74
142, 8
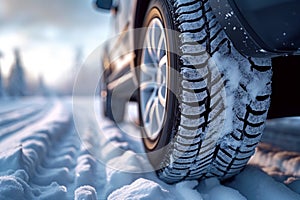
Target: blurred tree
43, 90
67, 83
78, 59
16, 81
2, 92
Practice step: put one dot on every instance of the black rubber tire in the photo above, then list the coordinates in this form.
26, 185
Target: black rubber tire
153, 146
113, 107
188, 146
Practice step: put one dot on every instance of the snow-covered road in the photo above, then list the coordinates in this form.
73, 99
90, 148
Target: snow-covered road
48, 152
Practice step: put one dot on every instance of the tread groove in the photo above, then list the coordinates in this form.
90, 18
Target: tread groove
200, 87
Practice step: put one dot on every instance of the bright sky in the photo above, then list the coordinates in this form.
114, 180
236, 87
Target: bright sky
48, 32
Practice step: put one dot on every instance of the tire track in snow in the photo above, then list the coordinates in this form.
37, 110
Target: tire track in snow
22, 162
16, 120
16, 114
47, 160
50, 161
70, 164
17, 105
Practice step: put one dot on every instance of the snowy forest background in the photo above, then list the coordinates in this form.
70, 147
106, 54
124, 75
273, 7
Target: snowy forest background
20, 83
44, 44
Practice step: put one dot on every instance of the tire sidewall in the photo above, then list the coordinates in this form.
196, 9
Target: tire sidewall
157, 149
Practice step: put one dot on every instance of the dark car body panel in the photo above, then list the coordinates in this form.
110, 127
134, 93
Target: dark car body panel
276, 22
257, 28
285, 99
261, 27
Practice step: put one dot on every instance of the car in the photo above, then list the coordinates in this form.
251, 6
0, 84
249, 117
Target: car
201, 73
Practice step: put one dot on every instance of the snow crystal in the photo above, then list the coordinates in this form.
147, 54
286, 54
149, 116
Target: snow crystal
11, 188
180, 2
53, 191
192, 122
85, 193
192, 97
141, 189
197, 110
188, 17
229, 67
85, 170
212, 189
195, 60
224, 193
186, 190
189, 8
195, 48
12, 159
188, 37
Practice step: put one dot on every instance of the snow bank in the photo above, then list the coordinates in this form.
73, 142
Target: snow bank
23, 152
187, 190
85, 193
212, 189
17, 186
141, 189
295, 185
49, 161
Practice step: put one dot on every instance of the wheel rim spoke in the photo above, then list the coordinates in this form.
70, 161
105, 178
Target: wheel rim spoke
162, 96
149, 72
153, 118
153, 79
148, 101
161, 46
163, 61
148, 46
159, 109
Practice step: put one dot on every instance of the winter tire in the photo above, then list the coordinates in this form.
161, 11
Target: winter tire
113, 107
206, 121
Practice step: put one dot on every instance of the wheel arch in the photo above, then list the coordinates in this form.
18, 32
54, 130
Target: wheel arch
141, 9
140, 13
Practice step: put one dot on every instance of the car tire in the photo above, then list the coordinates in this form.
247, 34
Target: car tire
113, 107
216, 100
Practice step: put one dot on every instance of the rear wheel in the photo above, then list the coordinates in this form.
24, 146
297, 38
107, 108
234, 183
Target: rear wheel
113, 106
202, 104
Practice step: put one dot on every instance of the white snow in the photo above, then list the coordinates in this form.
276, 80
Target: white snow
141, 189
257, 185
187, 190
85, 193
212, 189
50, 158
295, 185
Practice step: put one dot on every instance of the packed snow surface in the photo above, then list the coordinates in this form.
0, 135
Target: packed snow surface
48, 152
